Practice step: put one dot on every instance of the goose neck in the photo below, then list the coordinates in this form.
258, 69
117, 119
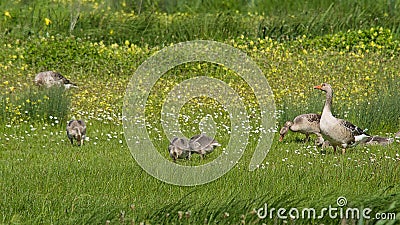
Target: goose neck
328, 103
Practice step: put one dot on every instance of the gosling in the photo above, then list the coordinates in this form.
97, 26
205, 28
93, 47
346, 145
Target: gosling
306, 124
202, 144
179, 149
76, 129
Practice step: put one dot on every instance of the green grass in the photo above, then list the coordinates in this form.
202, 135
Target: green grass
47, 180
297, 44
36, 104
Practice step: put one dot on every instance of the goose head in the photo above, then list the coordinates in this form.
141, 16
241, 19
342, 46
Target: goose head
285, 129
178, 148
324, 87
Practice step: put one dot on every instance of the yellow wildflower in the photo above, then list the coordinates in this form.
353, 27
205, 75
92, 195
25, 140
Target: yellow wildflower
7, 13
47, 21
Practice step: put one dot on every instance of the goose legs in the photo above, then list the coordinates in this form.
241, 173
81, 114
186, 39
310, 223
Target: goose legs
334, 150
307, 138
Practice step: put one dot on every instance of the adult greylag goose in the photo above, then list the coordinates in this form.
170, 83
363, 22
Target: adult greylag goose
306, 124
51, 78
202, 144
338, 132
179, 148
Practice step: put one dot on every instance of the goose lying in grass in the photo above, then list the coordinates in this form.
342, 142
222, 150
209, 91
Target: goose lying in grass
377, 140
338, 132
179, 149
202, 144
51, 78
76, 129
306, 124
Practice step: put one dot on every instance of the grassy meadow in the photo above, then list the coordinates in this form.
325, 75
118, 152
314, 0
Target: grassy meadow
98, 45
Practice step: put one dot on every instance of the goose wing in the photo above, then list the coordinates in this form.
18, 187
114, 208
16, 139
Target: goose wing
70, 122
55, 75
355, 131
313, 117
58, 76
202, 141
181, 143
82, 123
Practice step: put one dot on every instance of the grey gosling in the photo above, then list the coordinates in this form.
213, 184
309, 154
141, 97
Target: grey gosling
377, 140
179, 149
76, 129
306, 124
202, 144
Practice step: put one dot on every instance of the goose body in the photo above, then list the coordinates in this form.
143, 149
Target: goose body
51, 78
179, 148
338, 132
202, 144
397, 135
306, 124
76, 129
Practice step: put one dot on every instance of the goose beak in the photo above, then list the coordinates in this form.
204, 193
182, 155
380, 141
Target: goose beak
280, 138
318, 87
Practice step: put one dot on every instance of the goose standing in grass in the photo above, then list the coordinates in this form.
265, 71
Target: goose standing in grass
179, 148
202, 144
51, 78
76, 129
338, 132
306, 124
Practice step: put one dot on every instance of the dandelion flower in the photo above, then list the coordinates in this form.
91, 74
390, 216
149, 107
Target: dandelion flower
47, 21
